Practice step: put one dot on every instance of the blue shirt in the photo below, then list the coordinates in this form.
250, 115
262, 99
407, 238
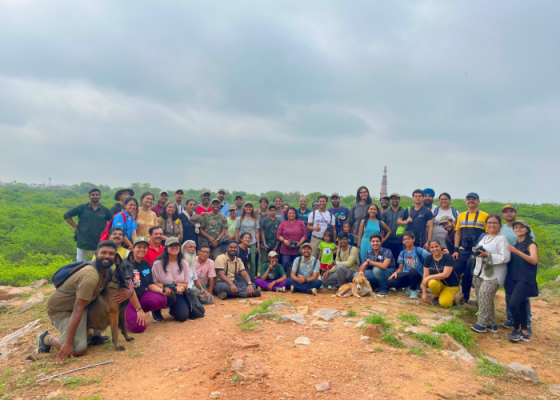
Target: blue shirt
384, 254
414, 259
341, 214
307, 269
128, 227
225, 209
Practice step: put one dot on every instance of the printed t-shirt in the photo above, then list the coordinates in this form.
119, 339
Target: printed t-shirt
328, 252
128, 227
412, 259
248, 225
470, 232
446, 261
275, 273
172, 274
230, 268
142, 277
270, 229
341, 215
200, 210
307, 269
439, 231
383, 255
213, 225
323, 220
419, 222
85, 284
244, 255
205, 271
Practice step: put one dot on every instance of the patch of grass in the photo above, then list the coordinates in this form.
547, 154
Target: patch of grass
134, 355
391, 339
235, 378
90, 398
379, 349
262, 308
76, 381
547, 274
246, 326
410, 318
458, 330
418, 352
352, 313
5, 376
430, 340
376, 319
487, 368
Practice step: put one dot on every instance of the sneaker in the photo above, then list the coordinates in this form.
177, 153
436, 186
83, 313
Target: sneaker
383, 293
41, 346
478, 328
435, 301
473, 302
407, 290
514, 336
525, 338
507, 324
280, 289
156, 316
529, 330
493, 329
257, 293
222, 295
98, 340
414, 294
314, 292
292, 289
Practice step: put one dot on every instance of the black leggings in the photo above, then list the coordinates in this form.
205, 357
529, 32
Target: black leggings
411, 278
180, 309
517, 304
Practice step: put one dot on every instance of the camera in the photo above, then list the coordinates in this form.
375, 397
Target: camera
337, 221
223, 242
479, 249
293, 244
171, 285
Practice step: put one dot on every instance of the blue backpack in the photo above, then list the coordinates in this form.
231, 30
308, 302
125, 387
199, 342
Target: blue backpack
453, 211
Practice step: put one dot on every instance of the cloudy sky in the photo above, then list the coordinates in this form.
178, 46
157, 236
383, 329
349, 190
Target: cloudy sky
290, 95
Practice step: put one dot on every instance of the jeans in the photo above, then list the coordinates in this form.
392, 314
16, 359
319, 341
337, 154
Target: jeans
287, 261
304, 287
180, 309
527, 307
149, 301
330, 280
239, 283
379, 277
82, 255
344, 274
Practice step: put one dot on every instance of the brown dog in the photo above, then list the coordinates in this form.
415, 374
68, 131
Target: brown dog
358, 287
105, 311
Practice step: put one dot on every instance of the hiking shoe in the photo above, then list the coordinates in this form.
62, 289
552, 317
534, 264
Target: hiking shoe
525, 338
435, 301
98, 340
292, 289
280, 289
472, 302
407, 290
257, 293
529, 330
478, 328
314, 292
222, 295
514, 336
156, 316
462, 302
493, 329
507, 324
41, 346
414, 294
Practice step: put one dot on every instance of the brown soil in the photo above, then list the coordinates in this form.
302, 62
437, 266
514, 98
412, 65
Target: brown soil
173, 360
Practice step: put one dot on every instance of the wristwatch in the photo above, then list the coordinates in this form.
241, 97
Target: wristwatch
138, 309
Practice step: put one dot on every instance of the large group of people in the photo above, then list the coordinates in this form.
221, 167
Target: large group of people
211, 248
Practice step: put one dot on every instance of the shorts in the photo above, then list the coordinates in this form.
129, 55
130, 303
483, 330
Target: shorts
80, 339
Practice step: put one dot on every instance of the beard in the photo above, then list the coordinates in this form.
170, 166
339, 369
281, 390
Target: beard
428, 203
190, 258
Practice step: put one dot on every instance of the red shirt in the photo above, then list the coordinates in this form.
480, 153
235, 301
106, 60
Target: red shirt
200, 209
152, 254
157, 209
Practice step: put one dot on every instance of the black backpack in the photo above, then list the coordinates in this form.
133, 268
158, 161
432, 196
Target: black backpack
67, 271
196, 309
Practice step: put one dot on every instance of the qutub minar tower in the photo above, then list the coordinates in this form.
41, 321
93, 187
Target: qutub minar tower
384, 184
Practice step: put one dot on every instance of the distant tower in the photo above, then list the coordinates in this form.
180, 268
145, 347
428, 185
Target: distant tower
384, 184
49, 182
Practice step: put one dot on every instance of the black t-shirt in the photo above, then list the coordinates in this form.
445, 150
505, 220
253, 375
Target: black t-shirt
189, 232
419, 222
142, 277
244, 255
437, 267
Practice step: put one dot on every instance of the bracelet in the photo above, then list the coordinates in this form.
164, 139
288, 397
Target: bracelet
455, 249
138, 309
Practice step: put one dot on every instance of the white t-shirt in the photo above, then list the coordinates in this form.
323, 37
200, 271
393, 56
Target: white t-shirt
322, 220
497, 247
439, 232
192, 277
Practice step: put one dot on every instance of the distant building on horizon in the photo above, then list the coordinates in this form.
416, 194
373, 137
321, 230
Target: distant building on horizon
384, 184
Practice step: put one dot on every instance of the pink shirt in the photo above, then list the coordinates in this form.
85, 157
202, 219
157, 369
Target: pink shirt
291, 231
172, 274
205, 271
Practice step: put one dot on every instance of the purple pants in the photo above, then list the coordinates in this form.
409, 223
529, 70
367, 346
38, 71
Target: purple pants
150, 301
264, 284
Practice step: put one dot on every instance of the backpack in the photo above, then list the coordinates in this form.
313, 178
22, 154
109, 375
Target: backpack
196, 309
105, 233
67, 271
402, 228
453, 211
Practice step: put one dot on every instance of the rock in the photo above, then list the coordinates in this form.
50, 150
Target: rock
302, 340
321, 325
554, 389
8, 341
214, 395
344, 313
228, 316
247, 345
466, 356
426, 316
416, 329
35, 299
381, 310
321, 387
547, 292
255, 302
9, 292
411, 343
373, 331
355, 319
431, 322
558, 278
449, 343
491, 359
298, 319
444, 317
238, 365
303, 310
360, 324
326, 313
384, 302
37, 284
54, 394
366, 339
159, 338
279, 306
524, 369
4, 305
370, 350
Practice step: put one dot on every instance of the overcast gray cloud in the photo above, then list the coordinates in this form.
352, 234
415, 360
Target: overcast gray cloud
290, 95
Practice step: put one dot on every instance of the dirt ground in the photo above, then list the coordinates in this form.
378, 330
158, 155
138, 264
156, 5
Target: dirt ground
172, 360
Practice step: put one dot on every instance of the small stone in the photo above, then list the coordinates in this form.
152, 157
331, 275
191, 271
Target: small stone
466, 356
4, 305
373, 331
321, 325
558, 278
279, 337
411, 343
491, 359
369, 349
344, 313
554, 389
360, 324
228, 316
214, 395
416, 329
541, 398
384, 302
366, 339
255, 302
238, 365
279, 306
8, 292
547, 292
355, 319
37, 284
54, 394
321, 387
303, 310
35, 299
444, 317
326, 313
159, 338
449, 343
524, 369
298, 319
302, 340
381, 310
243, 301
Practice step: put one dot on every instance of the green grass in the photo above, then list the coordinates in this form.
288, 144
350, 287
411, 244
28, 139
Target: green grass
5, 376
547, 274
76, 381
379, 349
410, 318
428, 339
458, 330
418, 352
487, 368
391, 339
262, 308
235, 378
376, 319
352, 313
245, 326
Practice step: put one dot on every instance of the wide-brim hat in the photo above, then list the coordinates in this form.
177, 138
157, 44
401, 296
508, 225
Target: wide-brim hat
119, 192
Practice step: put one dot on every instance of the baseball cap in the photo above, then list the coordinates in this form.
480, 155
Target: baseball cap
141, 239
205, 191
384, 197
509, 206
232, 208
306, 244
272, 207
247, 203
335, 195
445, 219
172, 240
215, 200
238, 197
272, 254
162, 192
221, 190
179, 190
522, 222
472, 194
395, 195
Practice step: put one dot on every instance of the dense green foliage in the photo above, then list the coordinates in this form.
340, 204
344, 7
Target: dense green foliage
35, 240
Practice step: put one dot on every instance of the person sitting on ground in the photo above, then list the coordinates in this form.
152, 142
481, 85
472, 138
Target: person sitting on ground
439, 276
521, 279
304, 276
121, 196
378, 265
170, 267
155, 248
148, 296
409, 273
249, 223
170, 223
272, 276
372, 224
146, 217
205, 271
232, 278
126, 220
213, 229
489, 273
67, 307
189, 254
326, 260
347, 263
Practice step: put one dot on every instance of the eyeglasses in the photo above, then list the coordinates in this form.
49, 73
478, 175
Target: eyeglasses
204, 251
363, 192
117, 234
493, 223
407, 239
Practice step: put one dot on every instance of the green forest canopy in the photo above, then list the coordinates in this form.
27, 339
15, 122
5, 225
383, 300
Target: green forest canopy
35, 240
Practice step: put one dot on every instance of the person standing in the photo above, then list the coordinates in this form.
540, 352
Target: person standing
262, 215
126, 220
371, 225
269, 231
179, 195
163, 198
302, 213
221, 195
213, 229
292, 233
205, 206
319, 222
231, 222
470, 225
232, 278
418, 219
120, 196
249, 223
384, 201
239, 205
444, 210
146, 217
279, 203
304, 276
340, 213
155, 248
92, 220
315, 206
428, 201
390, 217
170, 223
358, 210
190, 222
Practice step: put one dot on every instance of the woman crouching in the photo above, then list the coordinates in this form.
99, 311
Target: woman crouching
439, 276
